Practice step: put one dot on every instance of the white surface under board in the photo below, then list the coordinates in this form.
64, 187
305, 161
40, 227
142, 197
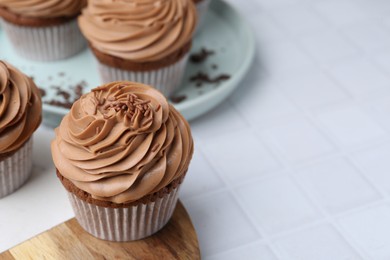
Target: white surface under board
295, 165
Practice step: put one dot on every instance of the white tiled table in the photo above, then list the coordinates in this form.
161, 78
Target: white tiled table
296, 164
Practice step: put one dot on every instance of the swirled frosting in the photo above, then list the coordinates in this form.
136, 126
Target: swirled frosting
121, 142
20, 108
138, 30
44, 8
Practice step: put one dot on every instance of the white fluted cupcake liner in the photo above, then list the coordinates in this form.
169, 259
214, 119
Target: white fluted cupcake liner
125, 224
16, 169
167, 79
202, 8
48, 43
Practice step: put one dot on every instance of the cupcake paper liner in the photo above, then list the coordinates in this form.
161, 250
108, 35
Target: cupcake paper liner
46, 43
202, 8
167, 79
16, 169
125, 224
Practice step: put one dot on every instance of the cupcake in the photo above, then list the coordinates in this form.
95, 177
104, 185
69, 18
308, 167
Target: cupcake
122, 153
202, 6
142, 41
43, 30
20, 116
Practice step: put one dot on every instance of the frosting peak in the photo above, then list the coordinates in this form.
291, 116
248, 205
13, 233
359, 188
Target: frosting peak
122, 141
44, 8
20, 108
138, 30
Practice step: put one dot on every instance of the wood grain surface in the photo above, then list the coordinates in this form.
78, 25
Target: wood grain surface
177, 240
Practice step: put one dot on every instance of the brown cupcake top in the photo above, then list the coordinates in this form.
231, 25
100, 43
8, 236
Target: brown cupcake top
44, 8
138, 30
20, 108
122, 142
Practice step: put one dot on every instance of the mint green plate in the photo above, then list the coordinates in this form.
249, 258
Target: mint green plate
224, 32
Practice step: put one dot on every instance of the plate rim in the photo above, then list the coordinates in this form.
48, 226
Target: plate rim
226, 88
238, 75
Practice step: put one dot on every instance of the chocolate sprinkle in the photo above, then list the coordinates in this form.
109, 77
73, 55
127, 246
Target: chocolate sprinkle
201, 56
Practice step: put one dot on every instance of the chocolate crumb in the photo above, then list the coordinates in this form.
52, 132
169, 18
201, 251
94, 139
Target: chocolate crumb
64, 94
202, 77
42, 91
214, 66
58, 103
69, 96
78, 91
201, 56
178, 99
61, 74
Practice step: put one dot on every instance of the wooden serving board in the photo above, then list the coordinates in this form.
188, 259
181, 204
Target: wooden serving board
177, 240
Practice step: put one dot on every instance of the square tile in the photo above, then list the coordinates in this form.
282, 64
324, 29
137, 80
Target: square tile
299, 19
223, 119
276, 204
376, 10
239, 157
368, 36
341, 12
376, 164
216, 218
247, 7
382, 59
252, 251
260, 101
370, 229
284, 57
328, 47
297, 140
380, 109
350, 125
312, 88
320, 243
266, 29
200, 178
276, 3
336, 185
359, 77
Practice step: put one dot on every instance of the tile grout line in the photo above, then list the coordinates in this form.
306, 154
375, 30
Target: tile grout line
259, 230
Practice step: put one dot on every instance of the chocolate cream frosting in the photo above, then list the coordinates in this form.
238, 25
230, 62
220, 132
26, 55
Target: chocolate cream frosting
44, 8
121, 142
138, 30
20, 108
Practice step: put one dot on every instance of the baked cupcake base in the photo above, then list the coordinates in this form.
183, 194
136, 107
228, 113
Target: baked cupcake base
166, 79
123, 222
165, 74
45, 43
15, 169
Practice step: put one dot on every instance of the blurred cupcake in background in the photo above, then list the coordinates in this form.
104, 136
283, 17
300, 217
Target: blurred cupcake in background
138, 40
202, 6
20, 116
122, 153
43, 30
